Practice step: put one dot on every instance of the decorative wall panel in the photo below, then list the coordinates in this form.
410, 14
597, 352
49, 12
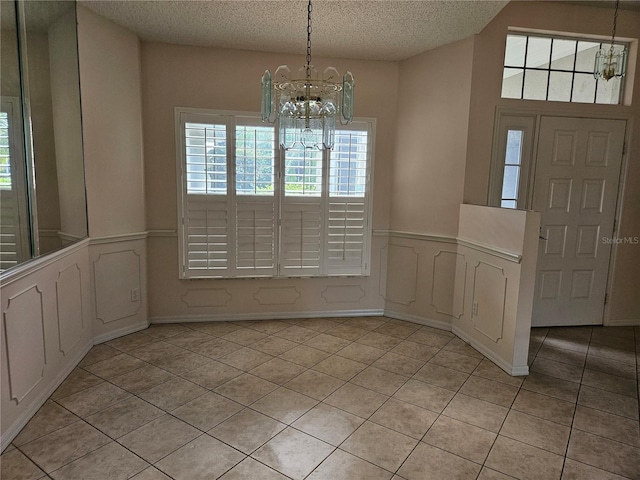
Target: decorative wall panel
206, 297
277, 295
343, 293
117, 277
402, 279
69, 300
449, 276
25, 344
489, 294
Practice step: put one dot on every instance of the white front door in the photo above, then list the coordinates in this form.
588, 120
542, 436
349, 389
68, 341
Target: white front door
575, 189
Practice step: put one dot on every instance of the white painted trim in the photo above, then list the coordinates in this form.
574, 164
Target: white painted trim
496, 252
465, 242
69, 237
27, 268
234, 317
163, 233
427, 322
415, 236
508, 367
105, 337
20, 422
124, 237
630, 322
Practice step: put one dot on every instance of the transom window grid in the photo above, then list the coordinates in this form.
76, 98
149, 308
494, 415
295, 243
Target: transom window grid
310, 220
548, 68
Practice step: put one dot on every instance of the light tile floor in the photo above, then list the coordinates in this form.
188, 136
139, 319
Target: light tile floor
337, 399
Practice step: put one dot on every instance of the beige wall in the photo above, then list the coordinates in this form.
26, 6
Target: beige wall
112, 123
431, 137
212, 78
488, 56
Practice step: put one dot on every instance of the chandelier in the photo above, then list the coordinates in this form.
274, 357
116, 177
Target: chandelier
611, 62
306, 104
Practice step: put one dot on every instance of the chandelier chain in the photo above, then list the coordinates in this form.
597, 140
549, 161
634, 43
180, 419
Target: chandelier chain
615, 22
309, 9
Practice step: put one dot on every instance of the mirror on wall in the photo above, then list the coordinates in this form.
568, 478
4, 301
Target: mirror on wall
42, 184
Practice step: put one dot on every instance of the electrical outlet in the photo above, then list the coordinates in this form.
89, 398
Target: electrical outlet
135, 294
474, 308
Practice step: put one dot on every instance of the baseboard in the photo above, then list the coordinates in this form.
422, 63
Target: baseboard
105, 337
26, 415
235, 317
632, 322
427, 322
508, 367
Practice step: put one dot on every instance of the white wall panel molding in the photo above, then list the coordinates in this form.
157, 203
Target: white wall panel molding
449, 277
206, 297
14, 429
427, 322
70, 310
415, 236
117, 275
402, 279
163, 233
491, 250
111, 334
25, 342
277, 295
343, 294
489, 296
124, 237
496, 252
21, 271
227, 317
508, 367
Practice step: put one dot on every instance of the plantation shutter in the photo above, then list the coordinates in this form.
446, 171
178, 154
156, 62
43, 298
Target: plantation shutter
302, 213
206, 233
348, 216
256, 217
249, 209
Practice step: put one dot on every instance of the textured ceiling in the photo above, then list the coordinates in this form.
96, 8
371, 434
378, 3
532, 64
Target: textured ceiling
374, 30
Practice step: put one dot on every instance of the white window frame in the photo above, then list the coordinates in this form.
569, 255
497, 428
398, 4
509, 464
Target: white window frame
506, 122
327, 265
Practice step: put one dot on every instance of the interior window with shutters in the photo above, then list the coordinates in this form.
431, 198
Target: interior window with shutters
249, 209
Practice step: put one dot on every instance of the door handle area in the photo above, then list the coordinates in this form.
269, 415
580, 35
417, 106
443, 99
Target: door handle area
541, 237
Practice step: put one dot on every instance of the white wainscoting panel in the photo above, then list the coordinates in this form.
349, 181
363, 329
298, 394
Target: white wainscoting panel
207, 297
402, 274
489, 294
277, 295
70, 312
343, 293
25, 342
449, 274
117, 275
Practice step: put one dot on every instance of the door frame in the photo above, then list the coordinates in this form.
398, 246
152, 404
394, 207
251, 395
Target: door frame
537, 114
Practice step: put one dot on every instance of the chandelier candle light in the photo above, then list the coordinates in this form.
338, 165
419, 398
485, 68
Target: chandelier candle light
611, 62
307, 105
